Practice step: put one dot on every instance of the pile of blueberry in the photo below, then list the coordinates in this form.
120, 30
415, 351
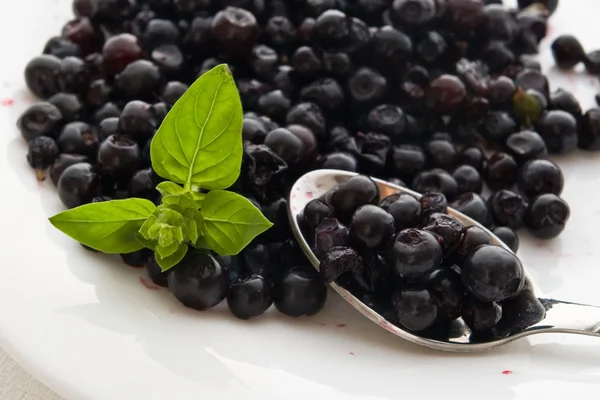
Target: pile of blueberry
414, 264
442, 96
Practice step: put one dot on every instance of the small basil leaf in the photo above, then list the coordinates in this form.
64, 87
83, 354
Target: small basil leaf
185, 200
169, 262
147, 243
230, 222
166, 251
109, 226
200, 142
168, 188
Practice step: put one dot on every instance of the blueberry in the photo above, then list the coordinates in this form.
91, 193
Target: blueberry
137, 259
391, 49
433, 202
264, 61
39, 119
306, 62
432, 47
285, 144
473, 206
498, 56
332, 29
492, 273
69, 105
532, 79
254, 130
526, 145
61, 47
199, 281
139, 80
500, 91
567, 51
169, 59
141, 185
508, 236
550, 5
592, 62
404, 208
589, 130
358, 191
78, 184
42, 153
468, 179
329, 234
518, 313
249, 296
372, 227
507, 208
315, 212
472, 239
236, 30
441, 153
563, 100
445, 284
446, 94
121, 50
309, 115
407, 161
472, 156
281, 31
500, 171
547, 216
338, 261
300, 291
41, 75
326, 93
436, 180
416, 309
97, 93
78, 138
497, 126
62, 162
340, 160
173, 91
156, 274
310, 149
481, 316
160, 32
366, 87
119, 156
258, 259
559, 131
414, 14
415, 253
539, 177
447, 229
274, 104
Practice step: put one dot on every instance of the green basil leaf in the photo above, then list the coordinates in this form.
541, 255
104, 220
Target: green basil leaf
166, 263
166, 251
147, 243
109, 226
169, 188
230, 222
200, 142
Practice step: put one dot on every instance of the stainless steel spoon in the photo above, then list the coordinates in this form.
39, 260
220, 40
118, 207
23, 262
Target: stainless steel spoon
560, 317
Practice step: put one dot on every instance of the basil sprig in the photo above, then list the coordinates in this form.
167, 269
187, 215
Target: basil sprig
198, 146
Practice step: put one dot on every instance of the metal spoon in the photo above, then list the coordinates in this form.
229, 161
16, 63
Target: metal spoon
560, 317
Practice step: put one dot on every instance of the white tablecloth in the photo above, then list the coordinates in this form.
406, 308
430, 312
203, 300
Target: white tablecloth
16, 384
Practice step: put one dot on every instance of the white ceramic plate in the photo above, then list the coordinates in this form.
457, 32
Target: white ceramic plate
90, 328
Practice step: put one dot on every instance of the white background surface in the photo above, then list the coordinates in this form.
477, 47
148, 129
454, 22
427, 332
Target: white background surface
89, 329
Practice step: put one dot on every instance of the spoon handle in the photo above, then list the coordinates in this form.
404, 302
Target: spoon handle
566, 317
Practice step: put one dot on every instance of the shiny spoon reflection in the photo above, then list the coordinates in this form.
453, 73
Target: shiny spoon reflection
560, 316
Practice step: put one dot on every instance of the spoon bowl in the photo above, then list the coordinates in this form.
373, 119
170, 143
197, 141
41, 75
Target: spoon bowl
560, 316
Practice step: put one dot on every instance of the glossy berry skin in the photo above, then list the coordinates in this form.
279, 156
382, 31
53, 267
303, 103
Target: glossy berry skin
281, 31
436, 180
139, 80
472, 239
372, 227
525, 146
121, 50
78, 138
404, 208
135, 121
559, 131
440, 153
508, 236
236, 30
332, 29
173, 91
366, 87
415, 253
119, 157
592, 62
500, 171
306, 62
169, 59
391, 49
500, 91
39, 119
447, 229
472, 156
468, 179
416, 309
413, 14
529, 79
507, 208
446, 94
199, 281
329, 234
433, 202
340, 160
567, 51
108, 127
97, 93
473, 206
300, 291
309, 115
77, 185
539, 177
274, 104
61, 48
41, 75
492, 273
249, 296
142, 186
73, 75
358, 191
589, 130
480, 316
62, 162
551, 5
547, 216
561, 99
137, 259
326, 93
69, 105
155, 273
285, 144
445, 284
497, 126
339, 261
407, 161
315, 212
254, 130
432, 47
42, 152
160, 32
387, 119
